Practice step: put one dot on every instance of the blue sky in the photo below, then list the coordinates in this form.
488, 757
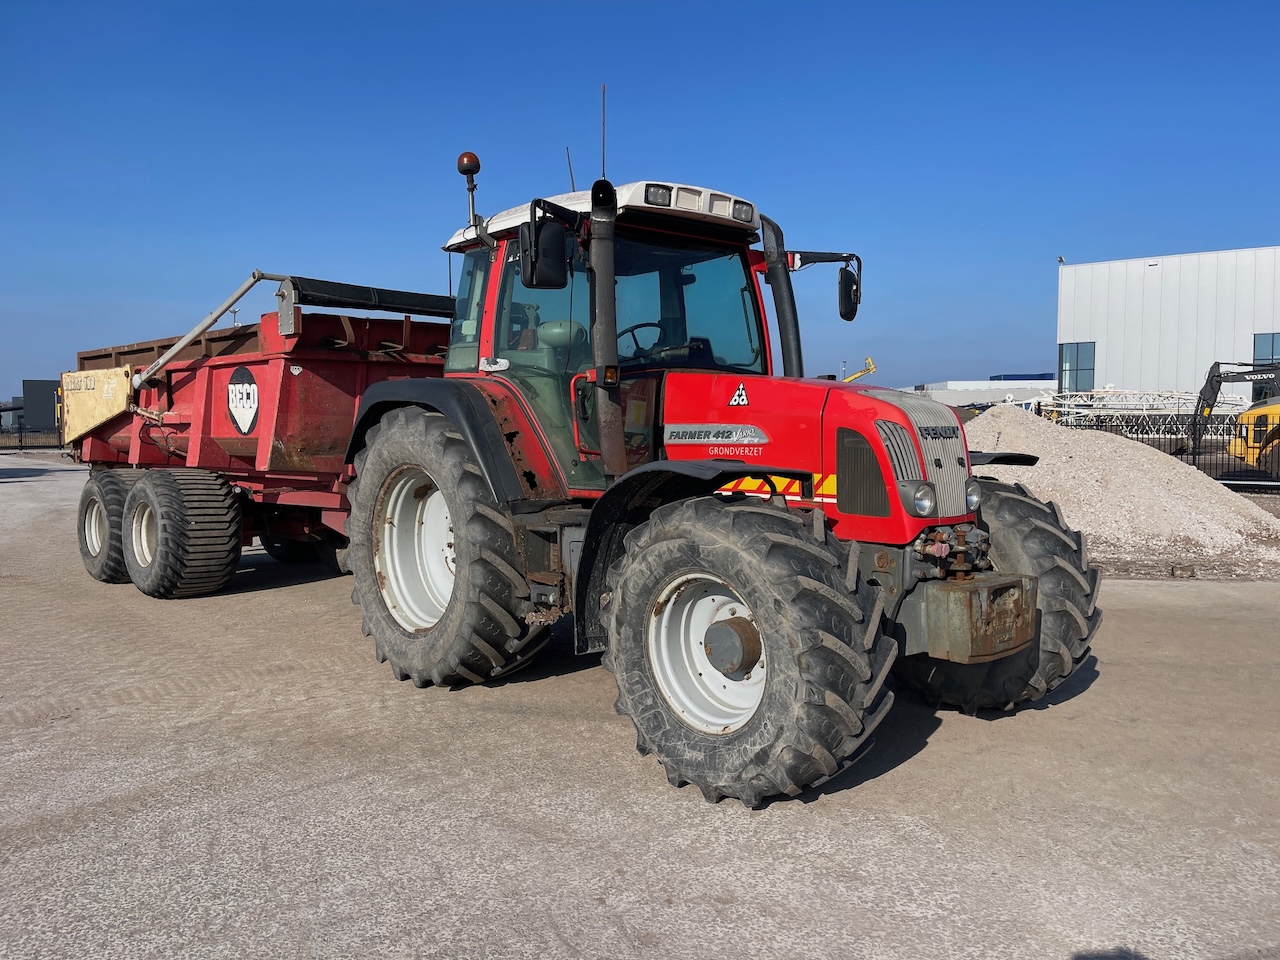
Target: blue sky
153, 154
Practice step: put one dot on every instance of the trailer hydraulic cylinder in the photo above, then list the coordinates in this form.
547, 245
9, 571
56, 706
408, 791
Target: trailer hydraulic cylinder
140, 378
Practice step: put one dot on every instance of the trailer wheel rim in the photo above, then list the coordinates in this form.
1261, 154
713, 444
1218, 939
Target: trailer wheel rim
414, 553
95, 526
679, 640
144, 532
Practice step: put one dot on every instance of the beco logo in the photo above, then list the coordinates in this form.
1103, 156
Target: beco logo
242, 400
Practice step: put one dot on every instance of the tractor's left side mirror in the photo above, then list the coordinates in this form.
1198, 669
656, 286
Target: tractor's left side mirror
543, 262
850, 293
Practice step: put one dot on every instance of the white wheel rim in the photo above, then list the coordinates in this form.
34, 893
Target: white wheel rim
700, 694
95, 526
413, 552
143, 533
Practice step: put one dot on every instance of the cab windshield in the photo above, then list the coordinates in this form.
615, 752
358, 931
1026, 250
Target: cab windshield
686, 304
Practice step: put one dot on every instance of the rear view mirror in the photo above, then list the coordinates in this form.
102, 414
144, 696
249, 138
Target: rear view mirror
544, 264
850, 293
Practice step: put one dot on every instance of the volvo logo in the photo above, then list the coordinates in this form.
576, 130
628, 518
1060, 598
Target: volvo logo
940, 433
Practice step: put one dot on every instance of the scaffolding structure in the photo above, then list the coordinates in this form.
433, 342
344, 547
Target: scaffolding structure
1138, 414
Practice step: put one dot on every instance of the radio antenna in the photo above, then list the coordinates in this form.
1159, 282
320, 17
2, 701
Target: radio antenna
602, 131
572, 188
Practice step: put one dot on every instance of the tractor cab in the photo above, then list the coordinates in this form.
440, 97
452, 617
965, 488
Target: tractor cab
687, 296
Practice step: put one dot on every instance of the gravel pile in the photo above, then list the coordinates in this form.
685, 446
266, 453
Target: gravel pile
1143, 510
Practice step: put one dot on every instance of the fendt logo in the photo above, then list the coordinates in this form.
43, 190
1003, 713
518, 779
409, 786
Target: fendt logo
940, 433
242, 400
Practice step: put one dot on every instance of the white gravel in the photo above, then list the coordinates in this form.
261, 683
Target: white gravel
1142, 510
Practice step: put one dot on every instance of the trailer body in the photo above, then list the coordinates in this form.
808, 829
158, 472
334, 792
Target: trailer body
270, 411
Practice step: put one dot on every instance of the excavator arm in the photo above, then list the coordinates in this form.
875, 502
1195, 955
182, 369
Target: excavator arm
1266, 374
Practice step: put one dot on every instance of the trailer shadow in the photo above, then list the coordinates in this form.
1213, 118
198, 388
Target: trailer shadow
257, 571
20, 474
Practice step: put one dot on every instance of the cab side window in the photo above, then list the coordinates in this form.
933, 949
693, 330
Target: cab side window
468, 312
544, 331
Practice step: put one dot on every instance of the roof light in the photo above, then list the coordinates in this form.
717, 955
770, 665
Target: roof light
743, 211
657, 194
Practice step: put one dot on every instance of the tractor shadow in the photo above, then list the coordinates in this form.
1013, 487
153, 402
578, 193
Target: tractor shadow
901, 735
1080, 681
909, 725
556, 659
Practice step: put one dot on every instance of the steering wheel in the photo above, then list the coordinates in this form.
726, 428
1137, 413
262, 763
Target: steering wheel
631, 332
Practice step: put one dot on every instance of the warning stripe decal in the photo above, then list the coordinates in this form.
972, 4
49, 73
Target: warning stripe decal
824, 487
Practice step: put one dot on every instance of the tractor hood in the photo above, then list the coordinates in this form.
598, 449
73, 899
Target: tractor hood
858, 442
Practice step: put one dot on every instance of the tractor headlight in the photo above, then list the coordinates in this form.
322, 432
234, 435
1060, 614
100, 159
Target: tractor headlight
657, 194
924, 500
972, 495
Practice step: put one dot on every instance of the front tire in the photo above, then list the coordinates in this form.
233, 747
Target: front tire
746, 663
1028, 536
98, 524
434, 558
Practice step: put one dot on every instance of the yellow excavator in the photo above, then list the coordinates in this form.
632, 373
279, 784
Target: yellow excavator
1257, 435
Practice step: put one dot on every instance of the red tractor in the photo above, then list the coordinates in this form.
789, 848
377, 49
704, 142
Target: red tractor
599, 431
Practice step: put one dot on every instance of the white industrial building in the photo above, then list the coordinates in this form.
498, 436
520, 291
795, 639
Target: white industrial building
960, 393
1157, 323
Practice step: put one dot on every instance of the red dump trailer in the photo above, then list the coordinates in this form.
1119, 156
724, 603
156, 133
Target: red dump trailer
268, 407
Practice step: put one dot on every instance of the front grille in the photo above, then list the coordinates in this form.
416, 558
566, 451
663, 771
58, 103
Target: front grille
902, 452
860, 485
944, 456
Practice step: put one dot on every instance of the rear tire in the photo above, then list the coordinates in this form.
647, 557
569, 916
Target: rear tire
98, 524
435, 560
1028, 536
181, 533
746, 664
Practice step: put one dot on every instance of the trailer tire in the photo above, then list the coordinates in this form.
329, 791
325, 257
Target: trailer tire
1027, 536
332, 553
98, 524
742, 657
434, 557
181, 533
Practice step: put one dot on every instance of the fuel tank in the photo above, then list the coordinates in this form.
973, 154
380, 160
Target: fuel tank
868, 448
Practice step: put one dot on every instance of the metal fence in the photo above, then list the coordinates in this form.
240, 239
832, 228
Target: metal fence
1171, 433
30, 440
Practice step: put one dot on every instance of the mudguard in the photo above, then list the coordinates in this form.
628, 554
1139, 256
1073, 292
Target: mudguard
464, 405
627, 504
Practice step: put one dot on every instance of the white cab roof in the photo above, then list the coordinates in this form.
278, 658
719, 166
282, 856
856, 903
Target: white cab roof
687, 203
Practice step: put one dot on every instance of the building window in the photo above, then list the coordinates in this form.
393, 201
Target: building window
1266, 350
1075, 367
